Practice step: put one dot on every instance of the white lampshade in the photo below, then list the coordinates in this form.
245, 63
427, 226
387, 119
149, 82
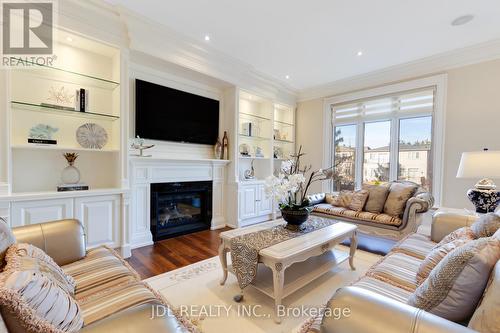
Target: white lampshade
480, 164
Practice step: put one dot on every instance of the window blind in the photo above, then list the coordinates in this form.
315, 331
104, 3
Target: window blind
409, 103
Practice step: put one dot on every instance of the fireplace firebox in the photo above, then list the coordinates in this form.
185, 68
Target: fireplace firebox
180, 208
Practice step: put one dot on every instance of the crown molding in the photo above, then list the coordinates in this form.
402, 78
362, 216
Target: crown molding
150, 37
414, 69
94, 19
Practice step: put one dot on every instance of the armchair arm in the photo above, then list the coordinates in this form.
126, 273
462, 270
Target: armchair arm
62, 240
444, 223
371, 312
315, 199
136, 319
420, 203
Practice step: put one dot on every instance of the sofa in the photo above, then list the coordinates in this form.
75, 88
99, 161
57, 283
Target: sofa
395, 225
109, 293
378, 301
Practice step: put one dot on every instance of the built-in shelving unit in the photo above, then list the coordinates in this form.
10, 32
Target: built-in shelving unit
46, 95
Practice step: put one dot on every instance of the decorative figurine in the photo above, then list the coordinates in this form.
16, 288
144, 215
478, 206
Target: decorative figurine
218, 149
225, 147
138, 143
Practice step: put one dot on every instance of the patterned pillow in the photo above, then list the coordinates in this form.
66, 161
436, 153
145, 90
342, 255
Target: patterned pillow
376, 198
37, 303
399, 194
343, 199
486, 225
462, 233
435, 256
25, 257
6, 239
454, 287
358, 200
332, 199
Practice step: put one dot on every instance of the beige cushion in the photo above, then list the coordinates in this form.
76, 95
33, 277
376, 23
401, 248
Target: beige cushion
376, 198
26, 257
461, 233
358, 200
486, 318
486, 225
6, 239
343, 199
454, 287
38, 303
397, 198
435, 256
332, 199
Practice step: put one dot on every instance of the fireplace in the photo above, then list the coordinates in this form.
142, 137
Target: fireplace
180, 208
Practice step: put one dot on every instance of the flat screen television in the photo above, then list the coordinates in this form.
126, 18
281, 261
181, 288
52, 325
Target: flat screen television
163, 113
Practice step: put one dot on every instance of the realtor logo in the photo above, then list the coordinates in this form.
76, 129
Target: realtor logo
27, 32
27, 28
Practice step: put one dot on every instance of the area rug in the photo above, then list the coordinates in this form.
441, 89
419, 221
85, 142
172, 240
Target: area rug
373, 244
195, 289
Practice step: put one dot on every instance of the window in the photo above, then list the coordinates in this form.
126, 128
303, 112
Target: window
415, 144
344, 157
392, 134
377, 140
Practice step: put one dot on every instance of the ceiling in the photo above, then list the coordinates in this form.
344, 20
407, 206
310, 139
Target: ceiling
316, 42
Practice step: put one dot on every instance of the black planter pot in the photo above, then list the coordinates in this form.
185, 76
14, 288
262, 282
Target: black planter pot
295, 217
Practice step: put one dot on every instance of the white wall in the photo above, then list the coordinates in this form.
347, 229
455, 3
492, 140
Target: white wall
310, 135
472, 123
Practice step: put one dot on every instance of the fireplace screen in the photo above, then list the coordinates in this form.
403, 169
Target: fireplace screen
180, 208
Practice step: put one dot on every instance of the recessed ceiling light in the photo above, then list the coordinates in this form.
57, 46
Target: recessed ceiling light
207, 38
359, 54
287, 77
461, 20
69, 39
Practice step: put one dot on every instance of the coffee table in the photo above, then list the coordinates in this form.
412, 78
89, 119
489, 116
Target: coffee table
303, 259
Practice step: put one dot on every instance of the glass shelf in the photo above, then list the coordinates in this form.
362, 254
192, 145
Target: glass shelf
283, 141
283, 123
254, 116
65, 148
55, 73
253, 137
55, 110
253, 158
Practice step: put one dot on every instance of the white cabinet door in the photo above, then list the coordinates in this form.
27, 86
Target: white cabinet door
248, 197
100, 216
265, 204
39, 211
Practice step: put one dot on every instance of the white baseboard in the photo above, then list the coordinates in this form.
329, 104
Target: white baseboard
126, 251
217, 227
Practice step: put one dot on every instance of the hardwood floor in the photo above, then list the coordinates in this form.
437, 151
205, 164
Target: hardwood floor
173, 253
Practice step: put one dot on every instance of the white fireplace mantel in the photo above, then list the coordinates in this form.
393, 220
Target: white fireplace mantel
145, 171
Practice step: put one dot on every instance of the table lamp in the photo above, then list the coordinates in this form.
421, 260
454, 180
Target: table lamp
483, 165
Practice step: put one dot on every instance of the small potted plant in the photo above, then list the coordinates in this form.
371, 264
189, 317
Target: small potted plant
289, 188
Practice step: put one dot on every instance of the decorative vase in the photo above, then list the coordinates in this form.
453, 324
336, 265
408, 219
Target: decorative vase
295, 217
70, 174
485, 200
218, 149
225, 147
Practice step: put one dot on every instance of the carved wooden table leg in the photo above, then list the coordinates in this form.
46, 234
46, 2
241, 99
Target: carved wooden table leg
354, 245
223, 260
278, 283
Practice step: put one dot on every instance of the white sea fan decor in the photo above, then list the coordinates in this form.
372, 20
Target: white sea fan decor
91, 136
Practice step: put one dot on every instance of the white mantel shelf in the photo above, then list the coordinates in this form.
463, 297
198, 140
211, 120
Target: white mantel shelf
27, 196
173, 160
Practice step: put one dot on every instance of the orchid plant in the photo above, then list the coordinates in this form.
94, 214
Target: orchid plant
289, 187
